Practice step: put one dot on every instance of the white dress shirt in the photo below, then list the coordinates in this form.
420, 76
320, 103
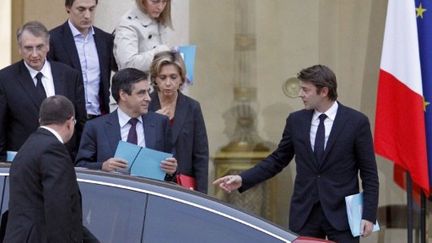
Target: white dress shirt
89, 60
54, 132
47, 78
328, 123
125, 126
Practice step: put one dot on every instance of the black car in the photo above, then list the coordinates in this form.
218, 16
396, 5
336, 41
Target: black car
119, 208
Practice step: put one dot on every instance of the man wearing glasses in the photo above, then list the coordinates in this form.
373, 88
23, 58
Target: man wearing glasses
25, 84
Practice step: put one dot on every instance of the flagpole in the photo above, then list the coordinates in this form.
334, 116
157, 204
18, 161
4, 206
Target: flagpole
422, 217
409, 208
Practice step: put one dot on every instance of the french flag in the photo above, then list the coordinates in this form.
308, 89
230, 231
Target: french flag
400, 130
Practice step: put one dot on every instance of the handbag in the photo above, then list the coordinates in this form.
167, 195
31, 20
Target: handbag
186, 181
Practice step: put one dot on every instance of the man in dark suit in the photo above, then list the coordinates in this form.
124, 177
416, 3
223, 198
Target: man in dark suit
87, 49
25, 84
131, 122
45, 202
332, 144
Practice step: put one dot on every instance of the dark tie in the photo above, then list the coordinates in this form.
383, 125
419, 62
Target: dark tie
39, 86
132, 135
320, 139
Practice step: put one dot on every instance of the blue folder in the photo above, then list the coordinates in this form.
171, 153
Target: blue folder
354, 207
10, 155
188, 53
142, 162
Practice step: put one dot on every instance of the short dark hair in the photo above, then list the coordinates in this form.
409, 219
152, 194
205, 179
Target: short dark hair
321, 76
124, 79
55, 109
36, 28
69, 3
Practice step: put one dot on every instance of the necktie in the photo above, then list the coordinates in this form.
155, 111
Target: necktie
132, 135
39, 87
320, 139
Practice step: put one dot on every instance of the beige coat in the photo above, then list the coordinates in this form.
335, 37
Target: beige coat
137, 39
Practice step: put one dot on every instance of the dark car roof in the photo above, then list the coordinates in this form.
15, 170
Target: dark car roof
178, 194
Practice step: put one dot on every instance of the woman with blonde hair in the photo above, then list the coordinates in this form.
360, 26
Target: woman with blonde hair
189, 136
141, 33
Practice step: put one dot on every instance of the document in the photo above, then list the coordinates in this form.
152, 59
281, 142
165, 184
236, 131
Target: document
188, 54
142, 161
10, 155
354, 207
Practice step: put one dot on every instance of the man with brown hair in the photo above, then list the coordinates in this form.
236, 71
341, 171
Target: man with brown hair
88, 49
332, 145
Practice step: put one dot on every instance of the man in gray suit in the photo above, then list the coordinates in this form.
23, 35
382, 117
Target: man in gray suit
131, 122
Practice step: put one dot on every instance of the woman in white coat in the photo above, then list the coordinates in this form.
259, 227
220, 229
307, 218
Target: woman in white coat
141, 33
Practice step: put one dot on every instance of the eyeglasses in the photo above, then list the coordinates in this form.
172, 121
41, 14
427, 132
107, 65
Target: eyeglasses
158, 1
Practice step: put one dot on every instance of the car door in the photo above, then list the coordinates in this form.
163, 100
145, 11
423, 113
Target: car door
111, 213
173, 220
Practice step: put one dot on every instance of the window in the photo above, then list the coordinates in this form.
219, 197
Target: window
113, 214
171, 221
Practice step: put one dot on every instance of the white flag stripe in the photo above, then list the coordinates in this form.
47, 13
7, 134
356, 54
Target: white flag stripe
400, 55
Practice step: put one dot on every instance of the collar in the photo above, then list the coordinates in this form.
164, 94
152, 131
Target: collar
54, 132
124, 118
331, 112
76, 32
46, 69
144, 18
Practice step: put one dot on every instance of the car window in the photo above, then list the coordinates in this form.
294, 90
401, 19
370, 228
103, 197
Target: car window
171, 221
4, 190
113, 214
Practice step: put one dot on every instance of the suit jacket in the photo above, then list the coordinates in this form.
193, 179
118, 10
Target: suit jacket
101, 136
19, 106
45, 202
63, 49
189, 138
349, 150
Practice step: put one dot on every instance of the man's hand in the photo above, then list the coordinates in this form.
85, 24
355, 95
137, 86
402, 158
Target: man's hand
112, 164
366, 228
169, 165
229, 182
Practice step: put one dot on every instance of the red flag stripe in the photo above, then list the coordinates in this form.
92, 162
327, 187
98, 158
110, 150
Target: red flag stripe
400, 128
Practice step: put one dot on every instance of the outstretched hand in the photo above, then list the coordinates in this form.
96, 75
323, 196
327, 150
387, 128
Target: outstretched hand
229, 183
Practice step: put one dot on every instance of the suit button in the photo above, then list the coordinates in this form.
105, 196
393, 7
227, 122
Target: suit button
150, 36
319, 176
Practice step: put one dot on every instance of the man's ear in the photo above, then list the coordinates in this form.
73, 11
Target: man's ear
324, 91
122, 94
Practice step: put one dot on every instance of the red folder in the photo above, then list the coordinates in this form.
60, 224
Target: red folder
186, 181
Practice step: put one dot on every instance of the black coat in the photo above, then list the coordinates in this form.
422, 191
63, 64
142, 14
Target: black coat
349, 151
19, 105
63, 49
189, 138
45, 202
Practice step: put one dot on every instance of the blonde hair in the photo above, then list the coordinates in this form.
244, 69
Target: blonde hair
167, 58
164, 18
